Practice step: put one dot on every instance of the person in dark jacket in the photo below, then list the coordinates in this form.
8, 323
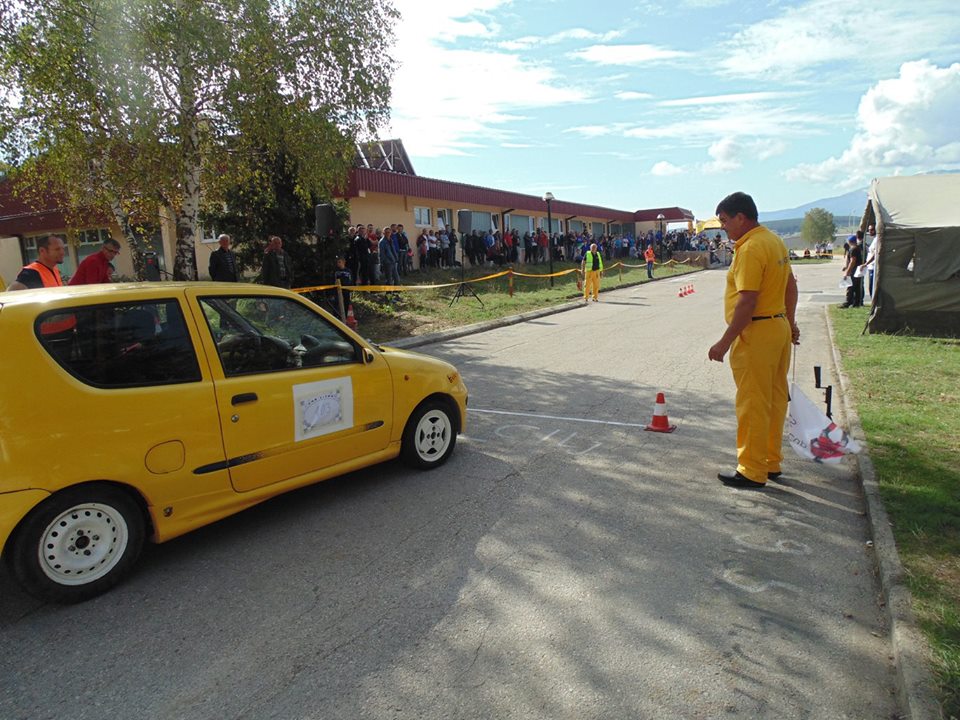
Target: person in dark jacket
277, 267
223, 262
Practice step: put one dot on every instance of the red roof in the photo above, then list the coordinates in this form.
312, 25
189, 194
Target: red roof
670, 214
18, 218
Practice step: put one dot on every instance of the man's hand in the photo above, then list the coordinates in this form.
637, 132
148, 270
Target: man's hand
718, 351
794, 333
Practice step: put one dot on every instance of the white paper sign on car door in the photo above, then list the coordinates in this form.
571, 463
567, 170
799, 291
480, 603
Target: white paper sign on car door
321, 408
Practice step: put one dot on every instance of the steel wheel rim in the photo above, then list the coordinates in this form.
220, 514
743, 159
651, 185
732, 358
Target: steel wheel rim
434, 432
83, 544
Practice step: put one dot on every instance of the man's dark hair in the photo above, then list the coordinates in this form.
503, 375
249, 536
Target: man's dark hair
44, 242
738, 202
110, 242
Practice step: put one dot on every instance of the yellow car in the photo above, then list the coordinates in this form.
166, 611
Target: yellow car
142, 411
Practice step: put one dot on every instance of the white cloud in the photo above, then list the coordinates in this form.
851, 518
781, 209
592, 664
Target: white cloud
854, 33
626, 54
725, 99
632, 95
726, 154
592, 131
749, 121
665, 169
448, 101
907, 123
534, 41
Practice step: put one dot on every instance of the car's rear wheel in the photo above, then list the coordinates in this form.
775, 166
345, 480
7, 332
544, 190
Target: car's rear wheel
430, 435
77, 543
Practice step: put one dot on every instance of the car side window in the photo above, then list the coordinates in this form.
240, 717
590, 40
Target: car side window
121, 345
272, 334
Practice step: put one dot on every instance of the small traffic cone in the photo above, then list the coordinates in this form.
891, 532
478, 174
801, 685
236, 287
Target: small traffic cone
660, 422
692, 291
351, 318
681, 293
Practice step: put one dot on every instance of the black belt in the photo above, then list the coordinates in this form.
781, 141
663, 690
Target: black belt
766, 317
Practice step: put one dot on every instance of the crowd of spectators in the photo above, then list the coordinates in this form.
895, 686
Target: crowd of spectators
385, 255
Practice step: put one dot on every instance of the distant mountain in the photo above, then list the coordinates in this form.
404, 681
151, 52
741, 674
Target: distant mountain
842, 207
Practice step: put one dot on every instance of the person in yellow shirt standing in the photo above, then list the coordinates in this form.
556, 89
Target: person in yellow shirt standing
760, 307
592, 268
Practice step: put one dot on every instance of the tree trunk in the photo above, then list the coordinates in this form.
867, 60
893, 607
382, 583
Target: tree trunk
133, 240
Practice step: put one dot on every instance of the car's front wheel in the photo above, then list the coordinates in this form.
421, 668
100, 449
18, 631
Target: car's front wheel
77, 543
430, 435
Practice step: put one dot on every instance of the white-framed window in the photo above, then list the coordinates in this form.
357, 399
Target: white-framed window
421, 216
90, 241
445, 217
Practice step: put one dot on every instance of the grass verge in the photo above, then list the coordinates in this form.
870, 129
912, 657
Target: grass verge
907, 391
383, 317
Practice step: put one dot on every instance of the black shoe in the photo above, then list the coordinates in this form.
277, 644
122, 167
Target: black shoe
844, 306
740, 481
774, 475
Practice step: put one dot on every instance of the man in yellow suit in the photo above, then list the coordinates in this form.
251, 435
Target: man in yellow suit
592, 268
759, 306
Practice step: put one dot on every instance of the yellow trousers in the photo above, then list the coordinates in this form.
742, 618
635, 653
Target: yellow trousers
591, 284
760, 359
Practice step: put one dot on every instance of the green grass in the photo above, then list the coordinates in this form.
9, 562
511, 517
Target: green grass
389, 316
907, 392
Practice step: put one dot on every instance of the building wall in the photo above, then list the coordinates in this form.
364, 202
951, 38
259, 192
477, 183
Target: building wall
382, 209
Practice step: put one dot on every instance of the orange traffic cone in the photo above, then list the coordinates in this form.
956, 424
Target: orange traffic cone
660, 422
681, 293
351, 318
692, 291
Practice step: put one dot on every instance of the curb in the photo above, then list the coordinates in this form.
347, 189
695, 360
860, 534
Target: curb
452, 333
911, 653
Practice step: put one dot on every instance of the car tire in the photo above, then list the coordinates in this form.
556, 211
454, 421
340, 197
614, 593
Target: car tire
430, 435
77, 543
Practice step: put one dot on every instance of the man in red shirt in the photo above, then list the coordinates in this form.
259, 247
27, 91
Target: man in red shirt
96, 268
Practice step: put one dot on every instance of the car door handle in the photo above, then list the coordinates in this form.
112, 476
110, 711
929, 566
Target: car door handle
243, 398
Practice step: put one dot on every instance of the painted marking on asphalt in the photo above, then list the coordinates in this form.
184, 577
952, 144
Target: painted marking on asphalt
557, 417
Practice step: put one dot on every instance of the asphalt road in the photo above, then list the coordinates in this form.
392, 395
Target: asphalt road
564, 564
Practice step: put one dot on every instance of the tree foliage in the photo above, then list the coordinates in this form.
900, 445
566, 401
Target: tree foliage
818, 226
124, 107
249, 216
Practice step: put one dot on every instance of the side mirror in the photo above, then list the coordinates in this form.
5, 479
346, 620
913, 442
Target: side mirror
367, 356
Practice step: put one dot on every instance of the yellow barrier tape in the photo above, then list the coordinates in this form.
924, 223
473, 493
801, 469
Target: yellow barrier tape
546, 275
406, 288
399, 288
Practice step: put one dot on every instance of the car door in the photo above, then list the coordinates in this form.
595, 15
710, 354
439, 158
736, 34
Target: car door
295, 393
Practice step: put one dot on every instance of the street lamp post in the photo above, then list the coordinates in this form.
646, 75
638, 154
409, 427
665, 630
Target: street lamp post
660, 219
548, 198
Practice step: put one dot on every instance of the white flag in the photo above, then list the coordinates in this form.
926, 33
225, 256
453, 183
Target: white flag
812, 434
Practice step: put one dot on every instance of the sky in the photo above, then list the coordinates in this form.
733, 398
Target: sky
651, 103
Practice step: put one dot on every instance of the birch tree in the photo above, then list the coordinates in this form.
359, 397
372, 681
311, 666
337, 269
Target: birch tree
125, 107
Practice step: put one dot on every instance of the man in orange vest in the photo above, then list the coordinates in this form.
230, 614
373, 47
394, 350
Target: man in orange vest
649, 257
43, 272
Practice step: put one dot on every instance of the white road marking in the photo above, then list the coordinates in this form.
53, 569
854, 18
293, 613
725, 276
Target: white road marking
557, 417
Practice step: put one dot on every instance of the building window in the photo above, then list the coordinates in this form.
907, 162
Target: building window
90, 241
599, 229
445, 217
421, 216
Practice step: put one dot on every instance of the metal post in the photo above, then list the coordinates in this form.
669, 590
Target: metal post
548, 197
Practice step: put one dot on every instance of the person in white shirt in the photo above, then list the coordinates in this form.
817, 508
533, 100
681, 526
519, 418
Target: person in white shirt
869, 265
